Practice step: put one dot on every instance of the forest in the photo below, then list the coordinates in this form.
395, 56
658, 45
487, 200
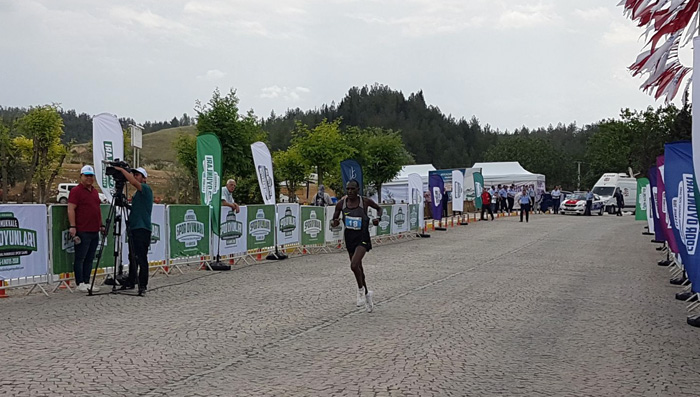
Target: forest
629, 142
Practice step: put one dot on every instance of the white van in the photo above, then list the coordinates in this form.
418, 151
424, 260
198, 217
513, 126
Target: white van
608, 183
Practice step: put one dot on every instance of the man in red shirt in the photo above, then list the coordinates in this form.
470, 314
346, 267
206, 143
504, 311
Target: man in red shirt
486, 204
85, 224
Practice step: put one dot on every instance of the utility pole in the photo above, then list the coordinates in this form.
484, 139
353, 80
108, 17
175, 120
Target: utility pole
578, 183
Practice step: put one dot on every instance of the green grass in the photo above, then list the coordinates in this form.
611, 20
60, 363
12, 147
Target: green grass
158, 146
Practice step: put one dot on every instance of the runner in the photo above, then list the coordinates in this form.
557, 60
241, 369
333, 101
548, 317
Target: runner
357, 239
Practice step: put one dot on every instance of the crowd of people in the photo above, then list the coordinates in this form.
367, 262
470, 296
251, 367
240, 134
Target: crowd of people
503, 198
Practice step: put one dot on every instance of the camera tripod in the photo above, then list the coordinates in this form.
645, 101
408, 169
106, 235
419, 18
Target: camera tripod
118, 210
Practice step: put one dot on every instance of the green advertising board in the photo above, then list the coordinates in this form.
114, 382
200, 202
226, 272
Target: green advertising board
261, 226
641, 210
384, 227
62, 249
312, 221
478, 188
189, 230
413, 214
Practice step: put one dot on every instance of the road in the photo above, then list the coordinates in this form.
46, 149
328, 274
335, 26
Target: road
559, 306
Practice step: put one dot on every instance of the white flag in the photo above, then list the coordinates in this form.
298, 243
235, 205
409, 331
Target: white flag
415, 195
263, 167
696, 109
457, 191
107, 145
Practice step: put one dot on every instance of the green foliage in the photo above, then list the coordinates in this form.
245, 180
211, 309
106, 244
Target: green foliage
635, 140
220, 117
322, 148
537, 155
236, 133
384, 155
291, 168
41, 148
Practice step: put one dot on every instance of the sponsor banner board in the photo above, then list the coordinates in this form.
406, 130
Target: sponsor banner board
24, 246
312, 225
288, 224
188, 230
260, 231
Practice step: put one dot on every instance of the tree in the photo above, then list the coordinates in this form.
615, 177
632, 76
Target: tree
384, 156
292, 169
186, 155
535, 155
236, 133
322, 148
41, 148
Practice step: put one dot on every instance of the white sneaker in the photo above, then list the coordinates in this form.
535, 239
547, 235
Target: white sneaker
369, 304
360, 297
94, 288
82, 287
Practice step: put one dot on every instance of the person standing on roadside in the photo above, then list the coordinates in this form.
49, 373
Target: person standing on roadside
511, 198
322, 199
227, 196
85, 219
139, 227
525, 203
589, 203
503, 198
486, 204
620, 199
556, 199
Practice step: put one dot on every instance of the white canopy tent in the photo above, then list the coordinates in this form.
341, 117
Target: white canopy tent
509, 172
397, 189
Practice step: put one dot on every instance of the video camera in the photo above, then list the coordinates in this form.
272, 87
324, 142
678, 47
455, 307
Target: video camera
111, 171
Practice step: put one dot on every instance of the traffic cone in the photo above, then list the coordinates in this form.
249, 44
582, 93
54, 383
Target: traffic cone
3, 292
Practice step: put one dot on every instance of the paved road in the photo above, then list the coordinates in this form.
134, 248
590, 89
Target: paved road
560, 306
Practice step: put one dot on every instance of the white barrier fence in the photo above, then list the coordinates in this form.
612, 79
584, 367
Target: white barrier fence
36, 248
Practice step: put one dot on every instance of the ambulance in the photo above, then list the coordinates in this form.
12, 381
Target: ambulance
609, 183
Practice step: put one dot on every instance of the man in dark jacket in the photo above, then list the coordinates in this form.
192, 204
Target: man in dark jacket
620, 201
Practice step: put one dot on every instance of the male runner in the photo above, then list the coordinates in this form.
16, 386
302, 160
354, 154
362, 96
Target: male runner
357, 239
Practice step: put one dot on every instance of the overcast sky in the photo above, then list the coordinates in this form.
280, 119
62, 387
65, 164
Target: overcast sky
509, 63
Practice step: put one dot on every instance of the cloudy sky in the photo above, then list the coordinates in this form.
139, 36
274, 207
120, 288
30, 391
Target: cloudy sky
508, 62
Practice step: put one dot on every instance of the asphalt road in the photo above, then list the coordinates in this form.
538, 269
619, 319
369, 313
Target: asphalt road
559, 306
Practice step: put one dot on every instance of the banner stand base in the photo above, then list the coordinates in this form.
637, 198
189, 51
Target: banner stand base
464, 223
648, 234
423, 235
657, 241
276, 256
441, 228
219, 266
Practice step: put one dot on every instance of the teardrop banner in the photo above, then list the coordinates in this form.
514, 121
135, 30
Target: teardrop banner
107, 145
640, 213
349, 170
209, 169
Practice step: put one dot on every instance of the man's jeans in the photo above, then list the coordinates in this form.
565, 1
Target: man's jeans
141, 240
84, 256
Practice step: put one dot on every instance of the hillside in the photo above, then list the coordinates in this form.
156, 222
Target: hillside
158, 146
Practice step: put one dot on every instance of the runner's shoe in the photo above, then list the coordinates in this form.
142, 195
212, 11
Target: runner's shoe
369, 304
361, 297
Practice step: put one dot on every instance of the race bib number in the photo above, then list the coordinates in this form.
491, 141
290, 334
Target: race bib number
353, 223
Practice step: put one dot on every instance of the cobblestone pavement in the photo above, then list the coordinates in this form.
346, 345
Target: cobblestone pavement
560, 306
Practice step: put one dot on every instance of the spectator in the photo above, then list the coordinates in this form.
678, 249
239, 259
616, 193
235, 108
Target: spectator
486, 204
322, 199
620, 199
85, 220
525, 203
556, 198
589, 203
227, 196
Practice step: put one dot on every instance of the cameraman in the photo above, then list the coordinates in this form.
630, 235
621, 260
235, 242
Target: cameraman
139, 227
